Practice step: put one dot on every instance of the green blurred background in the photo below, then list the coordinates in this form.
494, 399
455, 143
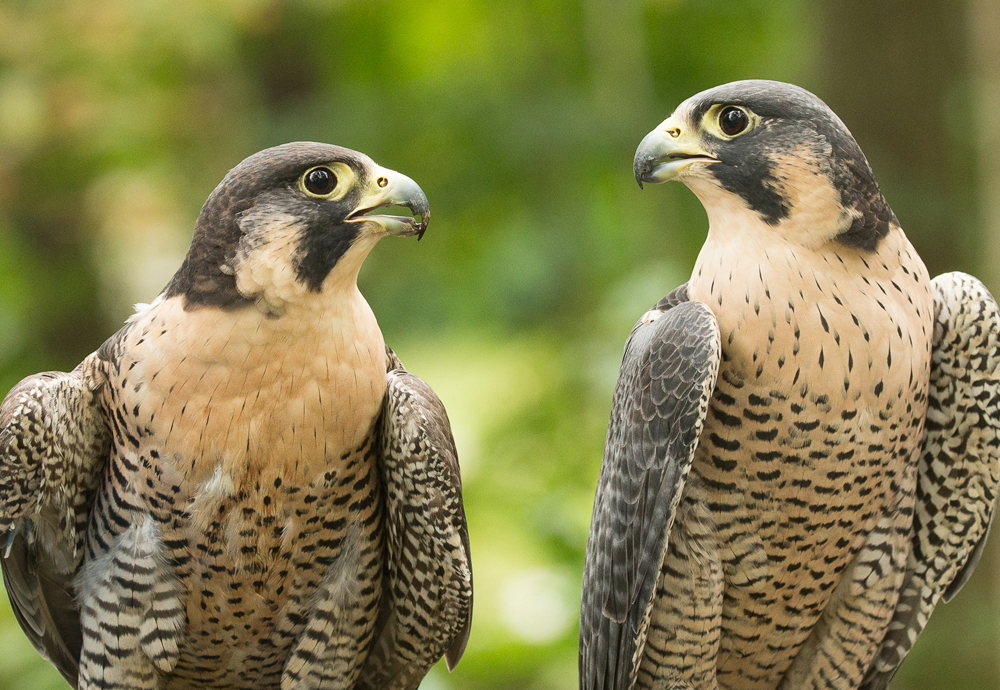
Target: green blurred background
519, 120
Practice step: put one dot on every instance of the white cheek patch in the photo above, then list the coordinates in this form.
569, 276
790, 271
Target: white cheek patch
812, 200
263, 264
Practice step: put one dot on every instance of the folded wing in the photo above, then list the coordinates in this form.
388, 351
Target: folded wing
427, 601
54, 443
667, 377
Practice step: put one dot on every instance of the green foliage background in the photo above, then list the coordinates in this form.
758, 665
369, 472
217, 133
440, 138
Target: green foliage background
519, 120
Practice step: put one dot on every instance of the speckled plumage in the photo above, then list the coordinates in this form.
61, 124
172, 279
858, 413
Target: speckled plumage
231, 466
958, 474
813, 496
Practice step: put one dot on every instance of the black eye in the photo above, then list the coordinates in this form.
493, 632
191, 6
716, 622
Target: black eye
320, 181
732, 121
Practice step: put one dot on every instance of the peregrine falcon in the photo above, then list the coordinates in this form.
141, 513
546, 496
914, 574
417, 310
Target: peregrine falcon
802, 457
243, 487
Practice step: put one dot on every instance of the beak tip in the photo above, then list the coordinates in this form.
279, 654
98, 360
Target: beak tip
424, 211
640, 166
645, 157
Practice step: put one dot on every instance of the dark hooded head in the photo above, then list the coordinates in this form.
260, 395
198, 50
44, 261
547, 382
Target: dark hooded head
287, 219
776, 147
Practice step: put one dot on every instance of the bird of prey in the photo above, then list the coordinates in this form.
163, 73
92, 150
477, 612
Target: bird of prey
243, 487
802, 457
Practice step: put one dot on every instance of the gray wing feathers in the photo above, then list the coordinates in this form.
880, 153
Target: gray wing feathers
427, 605
959, 467
53, 445
667, 377
42, 600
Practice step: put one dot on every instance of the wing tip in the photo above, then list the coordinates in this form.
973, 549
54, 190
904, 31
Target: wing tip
457, 647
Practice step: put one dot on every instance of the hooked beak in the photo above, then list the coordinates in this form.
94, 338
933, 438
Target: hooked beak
390, 188
666, 152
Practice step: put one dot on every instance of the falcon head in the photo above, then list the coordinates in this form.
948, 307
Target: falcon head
772, 154
290, 222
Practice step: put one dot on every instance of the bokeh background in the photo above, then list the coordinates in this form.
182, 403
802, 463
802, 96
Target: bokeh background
519, 120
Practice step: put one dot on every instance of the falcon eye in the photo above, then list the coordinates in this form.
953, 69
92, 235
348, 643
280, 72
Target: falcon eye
732, 121
320, 181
